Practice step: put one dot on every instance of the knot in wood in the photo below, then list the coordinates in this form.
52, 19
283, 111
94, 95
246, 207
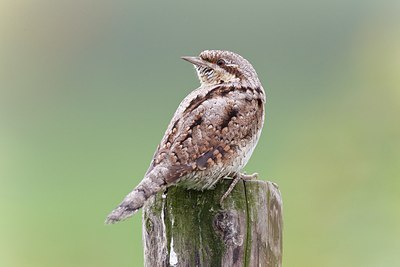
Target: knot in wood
149, 226
227, 225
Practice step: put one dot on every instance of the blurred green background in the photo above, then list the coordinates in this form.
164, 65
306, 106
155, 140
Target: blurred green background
87, 89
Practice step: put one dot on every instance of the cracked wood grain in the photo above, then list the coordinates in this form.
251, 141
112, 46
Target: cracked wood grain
190, 228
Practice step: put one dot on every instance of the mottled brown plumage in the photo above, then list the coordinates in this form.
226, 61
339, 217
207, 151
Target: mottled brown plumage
211, 135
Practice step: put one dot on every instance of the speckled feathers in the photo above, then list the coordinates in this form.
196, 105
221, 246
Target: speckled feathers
211, 135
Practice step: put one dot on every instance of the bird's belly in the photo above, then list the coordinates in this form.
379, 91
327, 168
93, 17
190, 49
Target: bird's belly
204, 180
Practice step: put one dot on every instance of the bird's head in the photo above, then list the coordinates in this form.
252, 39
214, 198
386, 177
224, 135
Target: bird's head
223, 67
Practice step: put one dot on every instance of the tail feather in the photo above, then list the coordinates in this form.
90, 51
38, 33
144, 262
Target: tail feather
135, 200
129, 206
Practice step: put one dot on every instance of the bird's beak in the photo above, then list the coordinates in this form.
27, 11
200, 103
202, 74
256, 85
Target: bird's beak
197, 61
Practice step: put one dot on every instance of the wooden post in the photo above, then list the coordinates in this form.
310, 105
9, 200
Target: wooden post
190, 228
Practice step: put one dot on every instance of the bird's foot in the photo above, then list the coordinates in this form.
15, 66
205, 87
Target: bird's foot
236, 178
248, 177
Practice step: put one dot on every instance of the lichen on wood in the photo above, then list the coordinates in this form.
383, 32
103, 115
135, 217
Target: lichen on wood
190, 228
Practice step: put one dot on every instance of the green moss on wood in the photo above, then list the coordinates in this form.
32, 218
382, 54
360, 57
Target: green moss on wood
193, 229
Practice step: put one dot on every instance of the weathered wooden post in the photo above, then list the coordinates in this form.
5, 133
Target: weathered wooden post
190, 228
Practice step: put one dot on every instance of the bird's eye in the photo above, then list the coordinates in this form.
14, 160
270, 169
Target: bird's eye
220, 62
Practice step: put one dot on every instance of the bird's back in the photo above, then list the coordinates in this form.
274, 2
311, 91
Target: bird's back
212, 135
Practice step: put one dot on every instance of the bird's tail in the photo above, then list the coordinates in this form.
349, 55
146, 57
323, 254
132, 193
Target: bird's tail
149, 186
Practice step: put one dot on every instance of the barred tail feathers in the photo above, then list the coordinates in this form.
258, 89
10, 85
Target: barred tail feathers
149, 186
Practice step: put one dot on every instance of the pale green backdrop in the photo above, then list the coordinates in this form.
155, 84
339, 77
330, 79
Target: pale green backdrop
87, 89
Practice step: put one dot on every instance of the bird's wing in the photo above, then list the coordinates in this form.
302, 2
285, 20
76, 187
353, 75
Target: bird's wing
209, 129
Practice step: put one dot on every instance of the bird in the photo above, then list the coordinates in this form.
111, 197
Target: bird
212, 134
